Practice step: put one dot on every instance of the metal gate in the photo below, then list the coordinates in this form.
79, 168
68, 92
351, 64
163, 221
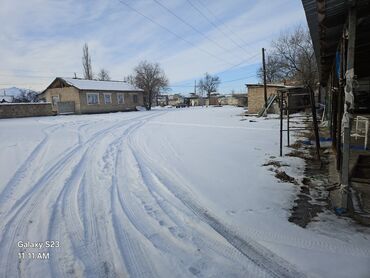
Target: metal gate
66, 107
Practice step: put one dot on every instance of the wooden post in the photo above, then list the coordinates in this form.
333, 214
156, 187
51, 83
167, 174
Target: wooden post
340, 105
281, 123
314, 121
287, 118
348, 105
264, 77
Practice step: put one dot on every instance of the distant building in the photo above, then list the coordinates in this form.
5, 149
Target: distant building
214, 99
80, 96
240, 100
175, 100
4, 98
162, 100
256, 96
195, 100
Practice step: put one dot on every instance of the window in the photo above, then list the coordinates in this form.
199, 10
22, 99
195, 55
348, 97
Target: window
92, 98
135, 99
54, 100
107, 98
120, 98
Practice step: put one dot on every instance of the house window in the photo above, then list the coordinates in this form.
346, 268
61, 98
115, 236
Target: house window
54, 100
107, 98
135, 99
92, 98
120, 98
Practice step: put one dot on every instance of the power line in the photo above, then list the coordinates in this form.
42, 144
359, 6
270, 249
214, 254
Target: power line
174, 34
225, 25
226, 81
246, 77
241, 63
191, 26
216, 26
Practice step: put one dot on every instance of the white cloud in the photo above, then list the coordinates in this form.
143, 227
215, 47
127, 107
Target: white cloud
44, 38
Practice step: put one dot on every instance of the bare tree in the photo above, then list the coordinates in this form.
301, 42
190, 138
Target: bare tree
26, 96
103, 75
209, 84
86, 62
292, 58
129, 79
273, 71
151, 78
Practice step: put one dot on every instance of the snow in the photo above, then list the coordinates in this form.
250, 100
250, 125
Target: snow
95, 85
162, 193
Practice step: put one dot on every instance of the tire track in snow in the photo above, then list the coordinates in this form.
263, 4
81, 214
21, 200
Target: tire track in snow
78, 212
187, 235
261, 256
17, 223
130, 248
23, 169
173, 211
26, 166
326, 244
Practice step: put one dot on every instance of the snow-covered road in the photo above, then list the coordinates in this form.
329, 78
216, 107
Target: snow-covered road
165, 193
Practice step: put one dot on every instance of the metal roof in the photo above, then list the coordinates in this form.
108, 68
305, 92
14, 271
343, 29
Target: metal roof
96, 85
326, 20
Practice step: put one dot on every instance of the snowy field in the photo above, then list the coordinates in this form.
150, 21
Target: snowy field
164, 193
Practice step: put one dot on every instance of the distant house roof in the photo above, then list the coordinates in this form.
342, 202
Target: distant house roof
6, 99
96, 85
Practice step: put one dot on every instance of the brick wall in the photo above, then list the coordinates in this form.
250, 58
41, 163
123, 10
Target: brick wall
64, 94
256, 98
114, 106
16, 110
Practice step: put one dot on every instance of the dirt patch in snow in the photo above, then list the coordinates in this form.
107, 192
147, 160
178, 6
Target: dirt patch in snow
275, 163
313, 196
284, 177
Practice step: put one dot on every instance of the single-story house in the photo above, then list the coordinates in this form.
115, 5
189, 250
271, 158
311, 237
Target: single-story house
175, 99
256, 96
240, 100
162, 100
80, 96
214, 99
195, 100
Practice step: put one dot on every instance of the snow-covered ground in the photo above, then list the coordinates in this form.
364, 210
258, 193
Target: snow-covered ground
164, 193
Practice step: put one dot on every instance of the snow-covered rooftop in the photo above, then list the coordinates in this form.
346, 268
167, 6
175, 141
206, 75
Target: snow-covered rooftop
84, 84
6, 98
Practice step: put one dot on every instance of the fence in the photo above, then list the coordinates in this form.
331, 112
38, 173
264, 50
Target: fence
17, 110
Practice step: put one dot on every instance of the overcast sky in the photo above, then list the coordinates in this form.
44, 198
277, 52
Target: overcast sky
42, 39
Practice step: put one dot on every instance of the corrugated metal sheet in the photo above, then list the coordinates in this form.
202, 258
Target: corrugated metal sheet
95, 85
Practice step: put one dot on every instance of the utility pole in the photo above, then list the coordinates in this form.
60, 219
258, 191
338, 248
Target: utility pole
195, 87
264, 76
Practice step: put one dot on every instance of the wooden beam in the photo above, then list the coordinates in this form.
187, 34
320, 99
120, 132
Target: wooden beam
348, 104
